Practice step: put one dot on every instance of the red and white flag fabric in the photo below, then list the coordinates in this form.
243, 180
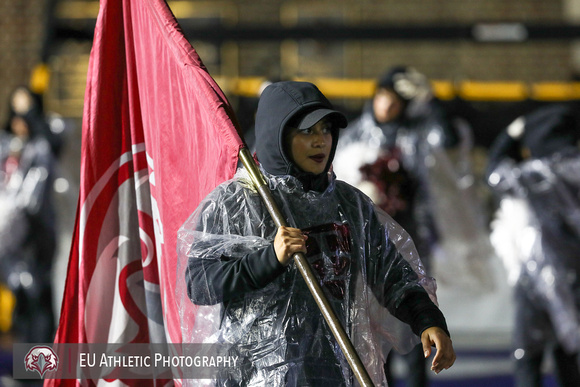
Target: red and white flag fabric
158, 135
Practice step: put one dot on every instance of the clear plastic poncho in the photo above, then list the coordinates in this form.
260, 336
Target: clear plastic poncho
536, 233
364, 262
24, 181
449, 211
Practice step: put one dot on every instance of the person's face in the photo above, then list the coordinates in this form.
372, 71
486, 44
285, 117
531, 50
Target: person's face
21, 101
19, 127
310, 148
387, 106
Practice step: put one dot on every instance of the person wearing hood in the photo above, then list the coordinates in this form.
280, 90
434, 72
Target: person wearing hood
238, 266
26, 107
28, 239
534, 171
405, 121
391, 152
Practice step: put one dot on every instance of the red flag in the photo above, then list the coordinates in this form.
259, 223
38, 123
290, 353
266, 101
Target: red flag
158, 135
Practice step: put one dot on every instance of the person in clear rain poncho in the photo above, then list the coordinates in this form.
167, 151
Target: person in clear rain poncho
534, 168
28, 238
413, 158
238, 266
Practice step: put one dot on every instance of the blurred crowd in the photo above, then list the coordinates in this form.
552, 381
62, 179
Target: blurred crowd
412, 156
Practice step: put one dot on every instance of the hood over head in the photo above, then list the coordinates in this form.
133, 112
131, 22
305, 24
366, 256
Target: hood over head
550, 129
406, 82
296, 104
387, 80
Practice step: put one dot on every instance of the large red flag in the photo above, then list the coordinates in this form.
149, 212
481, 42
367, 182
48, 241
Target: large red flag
158, 135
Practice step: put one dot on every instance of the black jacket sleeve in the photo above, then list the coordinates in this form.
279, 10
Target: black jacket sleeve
420, 313
214, 275
395, 284
214, 280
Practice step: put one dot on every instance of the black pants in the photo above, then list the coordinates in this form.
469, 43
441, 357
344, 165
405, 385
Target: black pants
416, 365
528, 369
534, 333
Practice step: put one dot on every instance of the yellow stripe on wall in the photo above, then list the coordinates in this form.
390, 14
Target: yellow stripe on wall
446, 90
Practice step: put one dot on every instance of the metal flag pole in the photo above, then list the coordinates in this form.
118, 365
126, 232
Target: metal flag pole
304, 267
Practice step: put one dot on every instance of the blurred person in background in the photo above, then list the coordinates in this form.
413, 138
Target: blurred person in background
396, 129
398, 151
28, 105
27, 216
534, 169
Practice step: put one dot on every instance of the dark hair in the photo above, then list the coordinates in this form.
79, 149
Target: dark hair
387, 80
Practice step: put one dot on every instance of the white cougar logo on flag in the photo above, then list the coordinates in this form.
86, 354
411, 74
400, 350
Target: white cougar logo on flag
41, 359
